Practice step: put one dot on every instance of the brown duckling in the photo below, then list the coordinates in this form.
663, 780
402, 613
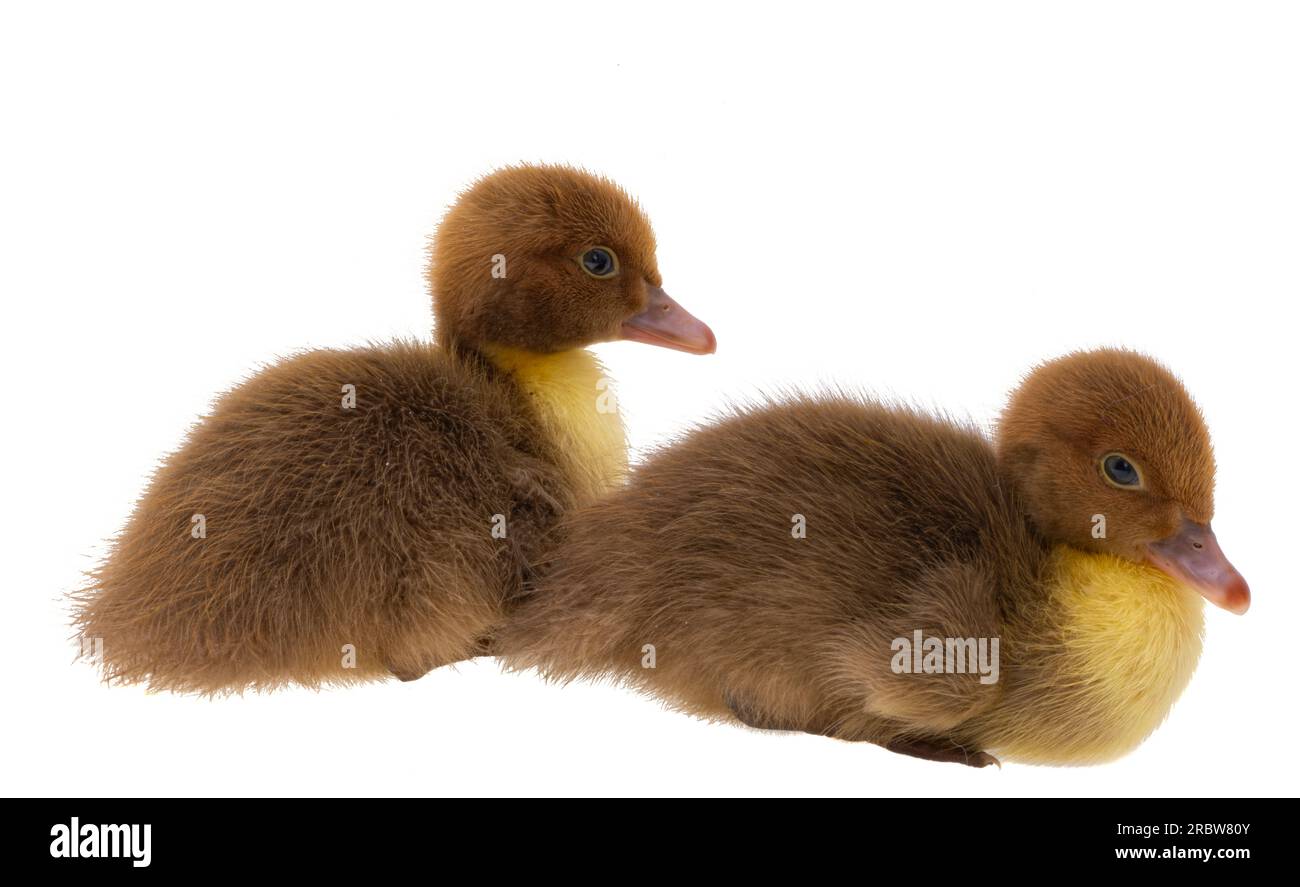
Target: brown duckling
835, 566
345, 515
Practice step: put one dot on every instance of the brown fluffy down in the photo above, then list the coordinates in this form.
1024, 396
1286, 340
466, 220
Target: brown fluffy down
907, 526
328, 526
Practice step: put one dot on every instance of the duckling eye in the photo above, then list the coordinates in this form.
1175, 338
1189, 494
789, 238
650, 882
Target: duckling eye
1120, 471
599, 262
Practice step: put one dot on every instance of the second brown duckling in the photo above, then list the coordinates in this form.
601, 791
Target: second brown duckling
778, 567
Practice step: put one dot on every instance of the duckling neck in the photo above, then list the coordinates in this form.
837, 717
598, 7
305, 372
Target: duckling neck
573, 398
1100, 664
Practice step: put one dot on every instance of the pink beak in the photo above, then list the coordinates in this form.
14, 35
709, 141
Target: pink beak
1192, 555
669, 325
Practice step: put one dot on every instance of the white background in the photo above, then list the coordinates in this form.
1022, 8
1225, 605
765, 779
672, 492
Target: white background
923, 199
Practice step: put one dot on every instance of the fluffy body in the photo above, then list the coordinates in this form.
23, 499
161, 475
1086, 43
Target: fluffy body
328, 526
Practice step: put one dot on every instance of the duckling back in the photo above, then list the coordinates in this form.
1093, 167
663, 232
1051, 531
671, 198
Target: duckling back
341, 515
761, 568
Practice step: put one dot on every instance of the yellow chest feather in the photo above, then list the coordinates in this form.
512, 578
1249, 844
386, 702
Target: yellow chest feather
575, 401
1121, 644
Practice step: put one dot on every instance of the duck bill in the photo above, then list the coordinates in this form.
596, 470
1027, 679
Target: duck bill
669, 325
1192, 556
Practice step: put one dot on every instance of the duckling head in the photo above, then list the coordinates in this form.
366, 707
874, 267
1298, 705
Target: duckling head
1110, 454
546, 259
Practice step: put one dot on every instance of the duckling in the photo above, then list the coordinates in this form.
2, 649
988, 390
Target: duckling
345, 515
775, 567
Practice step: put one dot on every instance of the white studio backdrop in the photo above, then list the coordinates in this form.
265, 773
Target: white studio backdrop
919, 199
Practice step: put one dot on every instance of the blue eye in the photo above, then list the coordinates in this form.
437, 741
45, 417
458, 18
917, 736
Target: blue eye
599, 262
1120, 471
